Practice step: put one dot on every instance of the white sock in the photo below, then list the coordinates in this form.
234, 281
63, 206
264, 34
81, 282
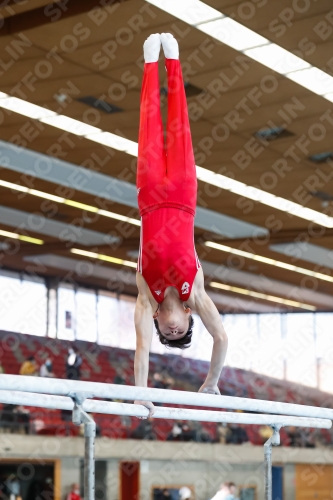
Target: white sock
151, 48
170, 46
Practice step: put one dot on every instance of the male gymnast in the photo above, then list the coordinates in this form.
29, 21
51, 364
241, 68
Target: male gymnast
169, 275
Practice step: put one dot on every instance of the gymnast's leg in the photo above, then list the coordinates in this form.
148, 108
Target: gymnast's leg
181, 171
151, 159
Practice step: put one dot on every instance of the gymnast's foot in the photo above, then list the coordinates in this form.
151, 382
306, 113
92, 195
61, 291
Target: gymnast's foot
151, 48
170, 46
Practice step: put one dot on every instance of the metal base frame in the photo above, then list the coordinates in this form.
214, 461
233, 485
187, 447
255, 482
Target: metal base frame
274, 440
79, 417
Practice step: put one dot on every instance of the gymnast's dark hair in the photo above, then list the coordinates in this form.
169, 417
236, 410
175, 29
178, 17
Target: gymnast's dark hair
183, 342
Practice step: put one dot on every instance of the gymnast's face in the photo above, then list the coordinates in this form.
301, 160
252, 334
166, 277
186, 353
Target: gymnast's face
173, 325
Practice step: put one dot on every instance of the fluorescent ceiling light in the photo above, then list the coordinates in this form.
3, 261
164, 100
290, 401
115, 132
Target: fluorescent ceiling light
123, 218
111, 140
263, 296
267, 260
35, 241
72, 203
81, 206
239, 37
313, 79
21, 237
15, 187
189, 11
106, 258
25, 108
41, 194
69, 124
273, 56
105, 213
263, 197
132, 148
231, 33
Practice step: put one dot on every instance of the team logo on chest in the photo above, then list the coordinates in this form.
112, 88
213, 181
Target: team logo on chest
185, 288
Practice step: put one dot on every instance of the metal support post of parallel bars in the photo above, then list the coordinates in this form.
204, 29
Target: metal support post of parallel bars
79, 416
274, 440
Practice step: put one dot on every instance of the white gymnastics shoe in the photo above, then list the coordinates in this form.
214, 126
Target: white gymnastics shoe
151, 48
170, 46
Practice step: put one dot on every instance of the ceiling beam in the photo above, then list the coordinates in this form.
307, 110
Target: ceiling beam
287, 236
48, 14
63, 247
30, 249
110, 188
306, 251
37, 223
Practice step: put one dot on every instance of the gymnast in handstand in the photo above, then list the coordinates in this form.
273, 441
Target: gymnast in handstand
169, 275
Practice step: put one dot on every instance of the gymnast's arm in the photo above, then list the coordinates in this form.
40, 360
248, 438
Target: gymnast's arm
143, 319
211, 319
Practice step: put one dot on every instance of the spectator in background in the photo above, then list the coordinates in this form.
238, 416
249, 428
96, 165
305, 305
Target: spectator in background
307, 438
232, 491
29, 367
41, 489
158, 381
144, 430
22, 419
226, 492
2, 370
223, 433
202, 434
13, 487
185, 493
66, 417
243, 437
7, 418
295, 438
265, 432
46, 370
168, 383
74, 493
175, 432
188, 432
162, 494
73, 364
192, 431
238, 434
15, 419
320, 440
